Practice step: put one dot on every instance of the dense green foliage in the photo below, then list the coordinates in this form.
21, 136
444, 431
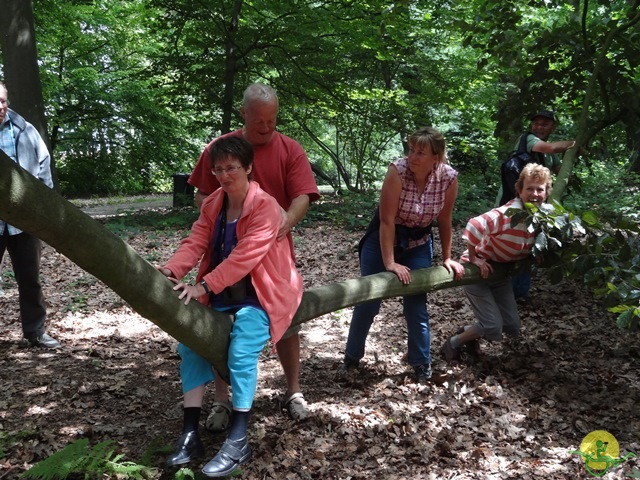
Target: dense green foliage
134, 89
113, 123
602, 252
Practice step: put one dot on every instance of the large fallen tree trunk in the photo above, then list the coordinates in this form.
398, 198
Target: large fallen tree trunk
335, 296
29, 205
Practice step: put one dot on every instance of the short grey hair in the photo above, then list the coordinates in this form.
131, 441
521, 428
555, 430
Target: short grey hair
259, 92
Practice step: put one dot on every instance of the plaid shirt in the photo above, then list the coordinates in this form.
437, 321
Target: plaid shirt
7, 142
419, 209
8, 146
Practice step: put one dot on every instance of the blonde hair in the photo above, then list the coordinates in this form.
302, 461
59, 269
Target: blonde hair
536, 172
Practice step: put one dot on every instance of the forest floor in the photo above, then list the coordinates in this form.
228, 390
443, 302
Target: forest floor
519, 411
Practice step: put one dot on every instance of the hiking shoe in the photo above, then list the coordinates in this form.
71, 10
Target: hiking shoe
43, 341
472, 347
449, 353
218, 419
296, 406
349, 365
422, 373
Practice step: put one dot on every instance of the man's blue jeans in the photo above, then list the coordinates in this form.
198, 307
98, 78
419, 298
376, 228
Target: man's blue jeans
521, 284
415, 306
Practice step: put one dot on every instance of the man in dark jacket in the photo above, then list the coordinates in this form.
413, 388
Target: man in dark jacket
23, 144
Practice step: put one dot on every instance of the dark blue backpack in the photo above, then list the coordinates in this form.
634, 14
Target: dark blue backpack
511, 168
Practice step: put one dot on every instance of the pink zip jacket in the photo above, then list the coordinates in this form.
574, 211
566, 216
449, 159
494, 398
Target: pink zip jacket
273, 273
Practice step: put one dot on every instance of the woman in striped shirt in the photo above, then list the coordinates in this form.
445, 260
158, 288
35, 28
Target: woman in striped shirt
491, 238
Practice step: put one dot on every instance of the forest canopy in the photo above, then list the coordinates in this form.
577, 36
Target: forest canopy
133, 90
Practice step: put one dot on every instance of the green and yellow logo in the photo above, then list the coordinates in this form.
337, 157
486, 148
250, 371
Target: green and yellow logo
600, 452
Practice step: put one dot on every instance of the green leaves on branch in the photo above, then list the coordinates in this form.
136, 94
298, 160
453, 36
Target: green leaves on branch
604, 253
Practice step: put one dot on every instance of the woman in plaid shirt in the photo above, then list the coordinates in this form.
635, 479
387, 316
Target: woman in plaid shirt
417, 190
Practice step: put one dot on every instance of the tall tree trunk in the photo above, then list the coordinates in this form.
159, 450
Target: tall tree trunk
230, 67
21, 73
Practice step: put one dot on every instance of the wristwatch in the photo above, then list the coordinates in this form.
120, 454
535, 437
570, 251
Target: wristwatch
206, 288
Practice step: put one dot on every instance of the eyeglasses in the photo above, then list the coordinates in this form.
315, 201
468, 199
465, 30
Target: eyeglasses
229, 170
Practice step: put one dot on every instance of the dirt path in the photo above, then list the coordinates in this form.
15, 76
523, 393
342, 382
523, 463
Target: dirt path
124, 205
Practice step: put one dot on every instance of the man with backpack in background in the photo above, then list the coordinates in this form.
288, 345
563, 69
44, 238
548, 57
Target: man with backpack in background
532, 147
539, 150
543, 124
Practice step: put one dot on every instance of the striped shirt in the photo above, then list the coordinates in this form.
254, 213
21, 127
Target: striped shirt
493, 237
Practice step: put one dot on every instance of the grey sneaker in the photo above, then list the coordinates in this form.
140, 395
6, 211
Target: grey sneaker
43, 341
472, 347
296, 406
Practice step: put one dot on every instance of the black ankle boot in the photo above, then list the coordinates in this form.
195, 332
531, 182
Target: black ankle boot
232, 454
189, 447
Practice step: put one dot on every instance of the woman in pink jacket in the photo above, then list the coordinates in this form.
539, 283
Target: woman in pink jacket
245, 270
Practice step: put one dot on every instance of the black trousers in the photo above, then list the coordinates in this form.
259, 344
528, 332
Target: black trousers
25, 251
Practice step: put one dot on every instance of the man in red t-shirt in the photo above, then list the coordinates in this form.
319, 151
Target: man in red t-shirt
282, 169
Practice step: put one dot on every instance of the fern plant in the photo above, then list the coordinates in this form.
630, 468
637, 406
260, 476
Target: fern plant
79, 458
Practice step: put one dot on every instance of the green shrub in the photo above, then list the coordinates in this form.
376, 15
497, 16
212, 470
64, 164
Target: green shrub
606, 187
602, 252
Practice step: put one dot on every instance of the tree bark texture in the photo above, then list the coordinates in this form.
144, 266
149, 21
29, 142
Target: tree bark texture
21, 71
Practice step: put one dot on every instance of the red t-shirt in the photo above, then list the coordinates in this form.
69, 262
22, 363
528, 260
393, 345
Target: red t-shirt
281, 167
